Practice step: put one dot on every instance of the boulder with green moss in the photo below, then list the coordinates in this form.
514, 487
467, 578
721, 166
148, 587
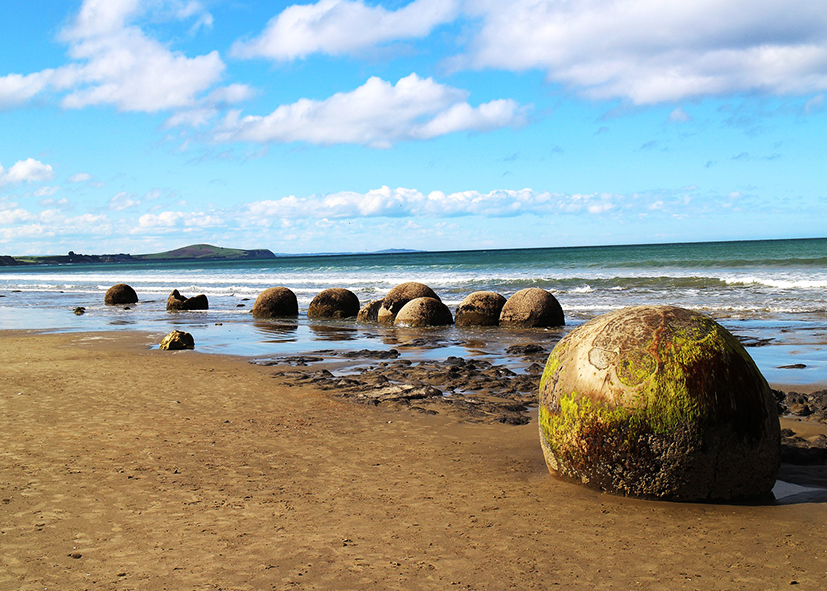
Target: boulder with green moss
662, 402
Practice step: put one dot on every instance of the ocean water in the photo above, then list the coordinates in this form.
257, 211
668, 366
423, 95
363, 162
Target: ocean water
771, 294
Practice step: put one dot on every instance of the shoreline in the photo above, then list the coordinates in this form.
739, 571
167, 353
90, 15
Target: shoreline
126, 467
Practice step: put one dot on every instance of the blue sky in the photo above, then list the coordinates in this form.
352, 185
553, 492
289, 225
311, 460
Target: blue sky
349, 125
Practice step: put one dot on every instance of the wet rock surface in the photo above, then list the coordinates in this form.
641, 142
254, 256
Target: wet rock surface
473, 389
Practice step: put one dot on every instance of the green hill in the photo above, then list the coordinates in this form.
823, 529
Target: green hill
206, 251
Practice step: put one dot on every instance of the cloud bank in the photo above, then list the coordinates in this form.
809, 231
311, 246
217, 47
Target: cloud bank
377, 114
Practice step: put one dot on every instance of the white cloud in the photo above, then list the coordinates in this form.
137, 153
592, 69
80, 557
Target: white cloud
679, 116
343, 26
115, 63
814, 104
376, 114
46, 191
80, 177
29, 170
123, 200
178, 219
651, 51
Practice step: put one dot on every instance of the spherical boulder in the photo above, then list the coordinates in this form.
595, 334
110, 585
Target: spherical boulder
176, 301
400, 295
119, 294
276, 302
661, 402
532, 307
369, 312
335, 302
424, 312
481, 308
177, 340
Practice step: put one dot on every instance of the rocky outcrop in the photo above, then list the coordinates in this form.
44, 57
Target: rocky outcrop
424, 312
369, 312
658, 401
276, 302
176, 301
177, 340
335, 302
120, 294
481, 308
532, 307
401, 295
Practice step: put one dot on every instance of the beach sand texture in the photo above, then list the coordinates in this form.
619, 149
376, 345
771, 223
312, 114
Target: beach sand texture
125, 468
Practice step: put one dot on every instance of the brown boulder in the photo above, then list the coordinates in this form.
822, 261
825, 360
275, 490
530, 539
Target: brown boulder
424, 312
177, 340
276, 302
176, 301
335, 302
369, 312
401, 295
659, 401
119, 294
532, 307
481, 308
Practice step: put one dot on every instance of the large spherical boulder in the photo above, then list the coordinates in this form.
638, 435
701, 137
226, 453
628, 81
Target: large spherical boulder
176, 302
119, 294
424, 312
400, 295
658, 401
481, 308
369, 312
276, 302
532, 307
335, 302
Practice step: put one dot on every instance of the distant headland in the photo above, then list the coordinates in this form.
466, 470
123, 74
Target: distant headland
193, 252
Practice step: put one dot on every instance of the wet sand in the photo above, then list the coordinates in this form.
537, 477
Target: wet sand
124, 468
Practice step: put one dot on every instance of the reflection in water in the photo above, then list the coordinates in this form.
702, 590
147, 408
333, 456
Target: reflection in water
333, 332
277, 331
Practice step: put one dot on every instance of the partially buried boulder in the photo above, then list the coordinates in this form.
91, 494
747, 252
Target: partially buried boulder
335, 302
276, 302
176, 301
400, 295
177, 340
481, 308
119, 294
532, 307
424, 312
369, 312
658, 401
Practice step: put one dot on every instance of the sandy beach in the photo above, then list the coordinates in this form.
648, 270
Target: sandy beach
124, 467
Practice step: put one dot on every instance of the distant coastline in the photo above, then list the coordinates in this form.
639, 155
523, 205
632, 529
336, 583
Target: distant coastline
193, 252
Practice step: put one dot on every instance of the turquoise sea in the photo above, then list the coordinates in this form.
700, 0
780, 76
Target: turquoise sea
771, 294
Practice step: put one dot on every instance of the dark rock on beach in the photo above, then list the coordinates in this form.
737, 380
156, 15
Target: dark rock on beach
481, 308
120, 294
812, 405
276, 302
530, 308
176, 301
369, 312
335, 302
401, 295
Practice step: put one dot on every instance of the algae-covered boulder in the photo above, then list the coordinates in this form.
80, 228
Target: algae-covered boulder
335, 302
424, 312
176, 301
119, 294
400, 295
481, 308
662, 402
532, 307
177, 340
369, 312
276, 302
